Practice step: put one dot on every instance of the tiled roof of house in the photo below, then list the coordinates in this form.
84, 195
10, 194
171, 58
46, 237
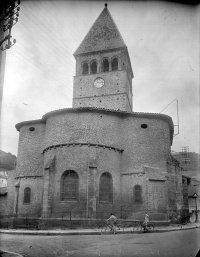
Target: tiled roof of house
103, 35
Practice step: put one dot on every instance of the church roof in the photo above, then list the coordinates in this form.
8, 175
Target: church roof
103, 35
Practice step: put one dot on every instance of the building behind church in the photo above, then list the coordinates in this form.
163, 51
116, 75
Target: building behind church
98, 156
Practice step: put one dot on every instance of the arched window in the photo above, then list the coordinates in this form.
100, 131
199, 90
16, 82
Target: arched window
85, 68
93, 67
106, 188
137, 191
27, 195
105, 65
69, 186
114, 63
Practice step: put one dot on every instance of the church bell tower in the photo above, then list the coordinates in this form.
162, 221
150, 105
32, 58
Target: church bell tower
103, 68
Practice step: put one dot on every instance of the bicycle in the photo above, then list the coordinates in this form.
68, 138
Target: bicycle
139, 226
108, 228
180, 220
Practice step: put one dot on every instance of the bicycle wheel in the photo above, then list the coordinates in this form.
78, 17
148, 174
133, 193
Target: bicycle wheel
137, 228
150, 227
118, 227
106, 230
184, 222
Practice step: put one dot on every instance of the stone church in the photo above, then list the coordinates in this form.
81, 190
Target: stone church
98, 156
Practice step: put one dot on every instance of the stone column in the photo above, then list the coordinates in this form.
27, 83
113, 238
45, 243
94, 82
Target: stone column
17, 185
92, 191
47, 192
46, 200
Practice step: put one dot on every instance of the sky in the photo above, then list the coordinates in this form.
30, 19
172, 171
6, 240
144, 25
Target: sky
163, 44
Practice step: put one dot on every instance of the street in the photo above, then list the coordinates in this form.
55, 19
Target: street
185, 243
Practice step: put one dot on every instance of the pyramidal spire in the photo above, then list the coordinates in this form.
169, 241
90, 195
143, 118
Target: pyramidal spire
103, 35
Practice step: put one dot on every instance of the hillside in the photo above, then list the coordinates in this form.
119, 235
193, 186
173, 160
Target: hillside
7, 161
191, 168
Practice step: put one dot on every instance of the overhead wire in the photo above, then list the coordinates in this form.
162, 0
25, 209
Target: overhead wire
75, 35
43, 28
61, 82
35, 66
45, 45
53, 40
48, 35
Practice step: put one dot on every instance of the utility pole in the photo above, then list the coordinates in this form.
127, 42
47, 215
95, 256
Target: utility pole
177, 114
9, 18
9, 13
185, 157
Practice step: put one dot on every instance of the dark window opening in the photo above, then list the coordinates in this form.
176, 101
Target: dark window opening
105, 65
137, 190
144, 126
93, 67
27, 195
31, 128
85, 68
69, 186
106, 188
114, 64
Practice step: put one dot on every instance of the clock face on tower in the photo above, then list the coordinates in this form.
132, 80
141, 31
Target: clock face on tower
99, 82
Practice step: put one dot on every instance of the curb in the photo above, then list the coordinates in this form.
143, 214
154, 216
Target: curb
9, 254
72, 233
175, 229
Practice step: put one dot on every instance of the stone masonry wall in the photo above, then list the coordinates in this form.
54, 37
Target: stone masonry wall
128, 201
157, 199
78, 158
36, 186
118, 102
114, 142
111, 94
30, 159
175, 188
144, 146
83, 127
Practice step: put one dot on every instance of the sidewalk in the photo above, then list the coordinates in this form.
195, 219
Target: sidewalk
95, 231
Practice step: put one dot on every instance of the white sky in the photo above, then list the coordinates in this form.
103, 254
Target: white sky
163, 43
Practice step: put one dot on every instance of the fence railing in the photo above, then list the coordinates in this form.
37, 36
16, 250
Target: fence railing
80, 218
99, 214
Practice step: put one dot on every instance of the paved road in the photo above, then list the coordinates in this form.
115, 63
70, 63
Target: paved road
184, 243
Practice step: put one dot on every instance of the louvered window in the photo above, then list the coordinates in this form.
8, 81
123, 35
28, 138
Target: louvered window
69, 186
85, 68
114, 64
106, 188
93, 67
27, 195
137, 194
105, 65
